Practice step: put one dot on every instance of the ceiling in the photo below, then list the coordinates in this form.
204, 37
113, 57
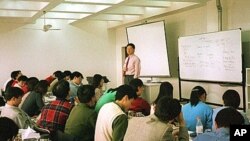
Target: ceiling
114, 12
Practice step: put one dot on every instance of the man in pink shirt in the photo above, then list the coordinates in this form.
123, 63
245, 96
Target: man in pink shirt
132, 65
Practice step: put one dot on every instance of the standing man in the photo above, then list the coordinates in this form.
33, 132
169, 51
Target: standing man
132, 66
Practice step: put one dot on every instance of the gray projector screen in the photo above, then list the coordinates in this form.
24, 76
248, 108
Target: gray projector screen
151, 48
211, 57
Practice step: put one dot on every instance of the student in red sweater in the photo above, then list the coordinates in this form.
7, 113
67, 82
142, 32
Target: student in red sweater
139, 104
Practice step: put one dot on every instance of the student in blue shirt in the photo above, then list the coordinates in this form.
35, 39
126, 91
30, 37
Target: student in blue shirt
223, 120
197, 108
231, 98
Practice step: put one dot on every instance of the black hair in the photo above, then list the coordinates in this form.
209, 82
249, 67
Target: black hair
196, 93
8, 129
85, 93
166, 89
229, 116
13, 92
14, 74
75, 74
57, 73
125, 90
131, 44
67, 73
32, 82
167, 108
42, 87
61, 89
231, 98
97, 80
135, 83
22, 78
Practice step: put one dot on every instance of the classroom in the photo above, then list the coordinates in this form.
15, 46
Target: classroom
93, 47
98, 46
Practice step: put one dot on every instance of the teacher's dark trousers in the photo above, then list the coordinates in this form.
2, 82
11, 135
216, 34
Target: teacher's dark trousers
128, 78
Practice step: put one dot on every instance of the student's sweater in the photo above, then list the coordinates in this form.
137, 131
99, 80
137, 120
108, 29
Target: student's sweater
112, 123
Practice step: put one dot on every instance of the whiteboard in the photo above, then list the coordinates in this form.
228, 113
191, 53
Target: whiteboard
211, 57
151, 48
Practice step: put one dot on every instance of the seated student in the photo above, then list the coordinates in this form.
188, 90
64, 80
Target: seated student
21, 83
14, 97
197, 108
112, 120
166, 89
98, 84
231, 98
55, 114
34, 103
82, 118
59, 75
158, 127
10, 82
75, 82
139, 104
8, 129
108, 96
223, 120
31, 83
52, 77
67, 75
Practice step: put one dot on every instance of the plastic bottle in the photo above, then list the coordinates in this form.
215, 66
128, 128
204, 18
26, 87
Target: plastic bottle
199, 126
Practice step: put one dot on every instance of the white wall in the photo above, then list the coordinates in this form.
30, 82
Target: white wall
92, 48
196, 21
88, 48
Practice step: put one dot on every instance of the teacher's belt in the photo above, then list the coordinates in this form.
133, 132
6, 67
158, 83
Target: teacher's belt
129, 75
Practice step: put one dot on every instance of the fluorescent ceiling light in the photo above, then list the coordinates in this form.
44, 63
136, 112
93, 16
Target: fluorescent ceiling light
22, 5
10, 13
97, 1
80, 8
52, 15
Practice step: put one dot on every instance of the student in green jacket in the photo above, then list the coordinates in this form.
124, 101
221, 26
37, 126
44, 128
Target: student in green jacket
82, 118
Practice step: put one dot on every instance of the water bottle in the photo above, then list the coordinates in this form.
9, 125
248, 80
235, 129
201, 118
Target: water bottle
199, 126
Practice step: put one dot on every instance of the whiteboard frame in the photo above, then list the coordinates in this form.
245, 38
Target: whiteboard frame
212, 80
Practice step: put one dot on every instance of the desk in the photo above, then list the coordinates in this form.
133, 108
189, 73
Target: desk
151, 91
48, 99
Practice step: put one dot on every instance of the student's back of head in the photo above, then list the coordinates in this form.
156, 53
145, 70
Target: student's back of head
124, 90
8, 129
61, 89
41, 87
97, 78
228, 116
22, 78
196, 94
67, 73
167, 108
85, 93
231, 98
13, 92
166, 89
31, 83
14, 75
135, 83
